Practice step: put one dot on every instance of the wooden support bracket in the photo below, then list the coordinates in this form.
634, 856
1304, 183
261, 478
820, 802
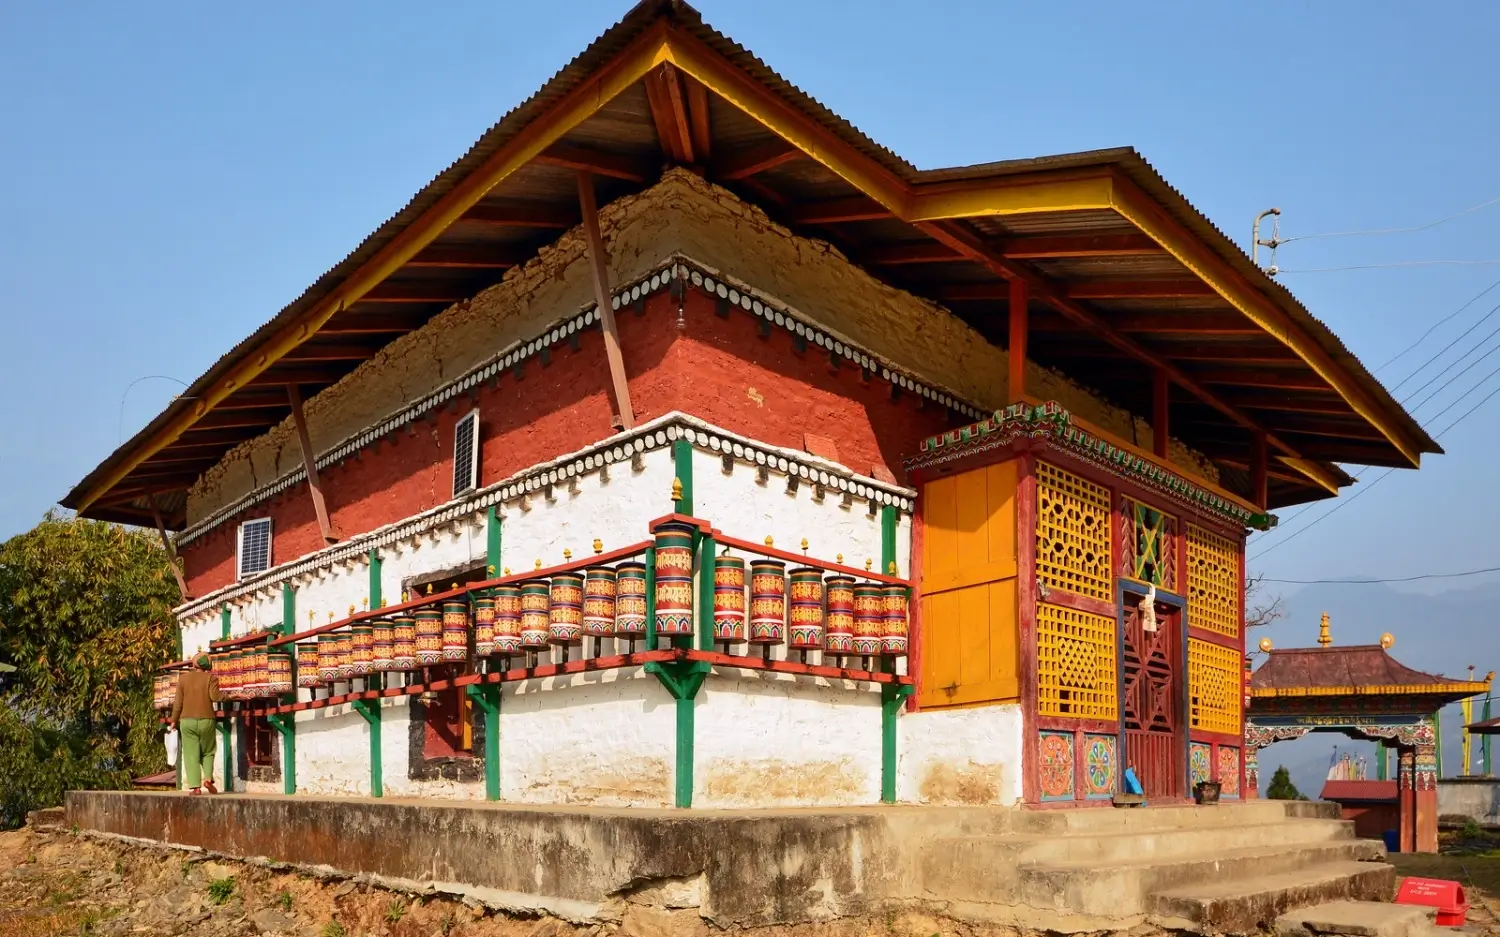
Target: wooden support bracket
625, 418
166, 544
310, 464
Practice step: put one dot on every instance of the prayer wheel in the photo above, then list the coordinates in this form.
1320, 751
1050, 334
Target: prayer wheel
806, 594
869, 618
565, 618
261, 683
362, 638
403, 642
382, 645
536, 600
456, 630
507, 620
307, 665
893, 621
630, 600
328, 658
218, 665
345, 648
234, 671
162, 691
674, 579
767, 601
840, 633
429, 636
278, 672
599, 586
484, 624
729, 599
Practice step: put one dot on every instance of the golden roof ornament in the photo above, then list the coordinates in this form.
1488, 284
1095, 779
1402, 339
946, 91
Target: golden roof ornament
538, 563
769, 541
804, 546
676, 489
1265, 645
507, 570
868, 563
1324, 638
1387, 641
839, 559
351, 611
892, 569
598, 546
567, 555
491, 569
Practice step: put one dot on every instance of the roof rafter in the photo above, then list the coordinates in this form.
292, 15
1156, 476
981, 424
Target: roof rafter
568, 156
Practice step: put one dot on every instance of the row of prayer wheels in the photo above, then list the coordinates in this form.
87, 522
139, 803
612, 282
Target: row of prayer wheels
253, 673
164, 690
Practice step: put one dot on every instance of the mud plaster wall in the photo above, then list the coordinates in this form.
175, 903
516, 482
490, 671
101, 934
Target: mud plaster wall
960, 756
681, 213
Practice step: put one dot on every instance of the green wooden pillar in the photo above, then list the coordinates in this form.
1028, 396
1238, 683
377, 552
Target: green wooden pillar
487, 698
370, 709
706, 592
682, 464
1437, 741
226, 726
650, 560
492, 540
1484, 741
892, 695
286, 725
1382, 760
376, 600
683, 680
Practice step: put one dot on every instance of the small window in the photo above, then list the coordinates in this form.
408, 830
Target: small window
466, 454
255, 547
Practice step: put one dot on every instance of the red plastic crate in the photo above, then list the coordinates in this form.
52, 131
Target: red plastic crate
1446, 896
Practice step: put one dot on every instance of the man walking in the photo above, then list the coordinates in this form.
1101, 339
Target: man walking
193, 717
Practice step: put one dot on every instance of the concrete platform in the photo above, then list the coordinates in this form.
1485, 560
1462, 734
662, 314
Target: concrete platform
1180, 867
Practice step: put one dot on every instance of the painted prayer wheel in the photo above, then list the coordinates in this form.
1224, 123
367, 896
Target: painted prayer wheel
565, 617
362, 638
630, 600
767, 601
239, 669
345, 658
599, 586
164, 688
429, 636
231, 686
263, 680
869, 618
839, 638
484, 625
403, 642
258, 678
507, 620
893, 621
729, 599
536, 600
218, 665
307, 665
806, 594
674, 579
382, 645
278, 672
456, 630
328, 658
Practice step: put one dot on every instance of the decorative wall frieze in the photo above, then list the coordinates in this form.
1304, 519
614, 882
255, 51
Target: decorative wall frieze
1051, 423
678, 271
592, 459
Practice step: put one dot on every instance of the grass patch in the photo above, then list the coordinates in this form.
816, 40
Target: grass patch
220, 890
333, 929
284, 901
395, 911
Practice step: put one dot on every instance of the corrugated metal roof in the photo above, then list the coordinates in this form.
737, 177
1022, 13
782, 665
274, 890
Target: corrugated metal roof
1364, 665
1362, 791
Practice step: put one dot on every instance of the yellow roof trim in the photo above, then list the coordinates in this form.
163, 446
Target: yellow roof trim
1396, 689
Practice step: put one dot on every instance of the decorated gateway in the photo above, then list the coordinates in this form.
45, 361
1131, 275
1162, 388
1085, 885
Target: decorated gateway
680, 445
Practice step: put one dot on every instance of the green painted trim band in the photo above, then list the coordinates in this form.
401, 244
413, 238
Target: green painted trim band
650, 560
225, 738
370, 709
287, 727
487, 698
492, 539
682, 464
892, 697
706, 592
376, 599
683, 681
224, 622
288, 609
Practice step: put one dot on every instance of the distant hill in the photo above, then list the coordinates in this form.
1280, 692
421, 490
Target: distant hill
1441, 633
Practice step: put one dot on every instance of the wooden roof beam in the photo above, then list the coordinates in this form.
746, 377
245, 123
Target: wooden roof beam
219, 419
581, 158
1206, 323
281, 375
1259, 377
836, 211
518, 215
962, 240
700, 121
1108, 348
374, 323
496, 257
1326, 401
1096, 245
342, 351
669, 111
207, 437
250, 399
744, 163
417, 293
1138, 289
925, 252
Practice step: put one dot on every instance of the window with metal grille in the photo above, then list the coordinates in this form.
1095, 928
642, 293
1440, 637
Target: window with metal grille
255, 547
466, 454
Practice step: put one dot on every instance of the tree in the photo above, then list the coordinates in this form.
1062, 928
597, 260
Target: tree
1282, 787
1261, 609
86, 620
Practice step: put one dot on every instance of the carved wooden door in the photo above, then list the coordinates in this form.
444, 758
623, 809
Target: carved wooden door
1151, 711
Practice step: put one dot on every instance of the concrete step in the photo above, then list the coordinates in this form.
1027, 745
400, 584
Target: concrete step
1358, 919
1236, 903
1101, 821
1125, 888
1161, 845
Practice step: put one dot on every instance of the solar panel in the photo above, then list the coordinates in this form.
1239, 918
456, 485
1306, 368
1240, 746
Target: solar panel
466, 454
255, 546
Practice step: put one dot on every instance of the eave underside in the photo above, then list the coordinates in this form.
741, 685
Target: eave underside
1123, 276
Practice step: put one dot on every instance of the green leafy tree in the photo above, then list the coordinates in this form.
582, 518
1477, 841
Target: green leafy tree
1282, 787
86, 620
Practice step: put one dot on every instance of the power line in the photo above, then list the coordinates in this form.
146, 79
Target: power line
1436, 326
1444, 386
1444, 350
1369, 582
1380, 231
1478, 384
1396, 263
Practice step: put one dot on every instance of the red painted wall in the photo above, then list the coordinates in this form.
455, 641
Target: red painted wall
719, 369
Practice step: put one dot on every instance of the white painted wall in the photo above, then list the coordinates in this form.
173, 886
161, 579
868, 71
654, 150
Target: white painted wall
774, 740
333, 752
960, 755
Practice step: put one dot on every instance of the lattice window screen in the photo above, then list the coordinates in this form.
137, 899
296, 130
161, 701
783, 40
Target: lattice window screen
255, 547
1215, 592
1215, 685
1148, 545
1072, 534
1075, 664
466, 454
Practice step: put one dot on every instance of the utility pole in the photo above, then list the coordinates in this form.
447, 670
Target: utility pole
1256, 242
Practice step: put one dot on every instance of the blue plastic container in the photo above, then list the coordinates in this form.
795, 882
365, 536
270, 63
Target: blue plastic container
1392, 840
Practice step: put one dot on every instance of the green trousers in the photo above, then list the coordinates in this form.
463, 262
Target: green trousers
198, 744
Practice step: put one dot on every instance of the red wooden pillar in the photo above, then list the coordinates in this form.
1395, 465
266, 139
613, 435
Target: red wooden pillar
1407, 797
1016, 353
1426, 812
1161, 399
1258, 481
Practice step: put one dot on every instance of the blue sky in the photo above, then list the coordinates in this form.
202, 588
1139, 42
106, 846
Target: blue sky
172, 174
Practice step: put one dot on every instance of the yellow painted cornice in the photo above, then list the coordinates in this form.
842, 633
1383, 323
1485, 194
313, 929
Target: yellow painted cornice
1399, 689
